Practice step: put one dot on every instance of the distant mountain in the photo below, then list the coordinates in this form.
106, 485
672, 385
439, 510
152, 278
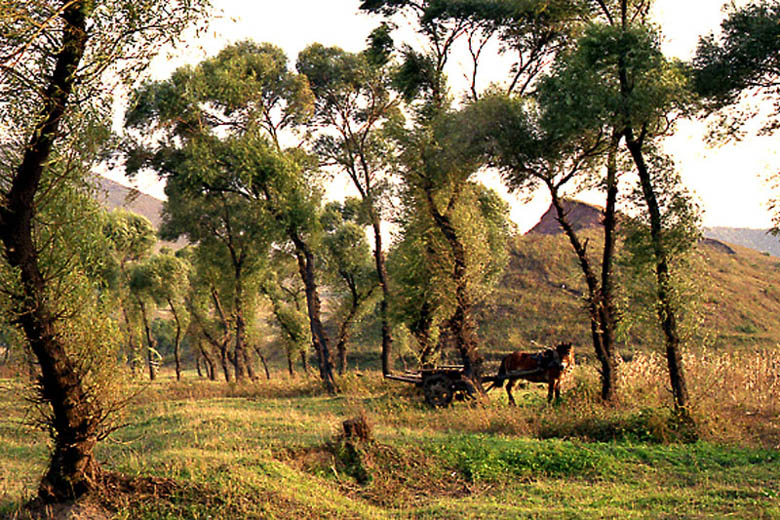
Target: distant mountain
114, 195
758, 239
581, 215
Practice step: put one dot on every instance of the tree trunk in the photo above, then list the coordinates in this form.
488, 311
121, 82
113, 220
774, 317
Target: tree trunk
304, 362
223, 344
177, 341
666, 308
422, 333
462, 321
264, 363
344, 326
607, 310
306, 269
601, 307
290, 368
132, 346
240, 357
75, 414
209, 361
150, 343
381, 271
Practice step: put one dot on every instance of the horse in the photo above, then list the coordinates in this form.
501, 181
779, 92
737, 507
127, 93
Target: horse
548, 366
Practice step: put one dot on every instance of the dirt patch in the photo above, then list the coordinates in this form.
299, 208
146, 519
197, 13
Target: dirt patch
380, 474
115, 492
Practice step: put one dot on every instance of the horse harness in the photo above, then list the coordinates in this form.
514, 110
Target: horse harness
548, 358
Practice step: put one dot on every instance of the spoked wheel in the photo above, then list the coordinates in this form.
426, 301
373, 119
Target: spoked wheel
463, 390
438, 391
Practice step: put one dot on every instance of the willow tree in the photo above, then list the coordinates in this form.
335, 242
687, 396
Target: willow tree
350, 276
132, 238
162, 281
648, 92
560, 140
234, 236
354, 102
282, 286
56, 58
531, 31
422, 264
216, 129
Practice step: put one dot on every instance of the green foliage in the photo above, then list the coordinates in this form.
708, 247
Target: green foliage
354, 108
681, 231
132, 236
479, 460
163, 332
421, 263
745, 56
280, 283
658, 86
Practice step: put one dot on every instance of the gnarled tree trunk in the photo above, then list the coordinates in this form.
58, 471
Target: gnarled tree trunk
75, 415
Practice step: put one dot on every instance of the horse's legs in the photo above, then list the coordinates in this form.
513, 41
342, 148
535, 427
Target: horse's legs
509, 384
554, 387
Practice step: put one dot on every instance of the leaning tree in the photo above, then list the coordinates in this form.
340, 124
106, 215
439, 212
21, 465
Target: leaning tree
57, 57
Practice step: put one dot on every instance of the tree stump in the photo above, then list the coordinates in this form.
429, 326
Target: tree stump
357, 428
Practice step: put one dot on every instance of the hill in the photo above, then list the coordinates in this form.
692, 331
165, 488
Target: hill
114, 195
581, 215
540, 299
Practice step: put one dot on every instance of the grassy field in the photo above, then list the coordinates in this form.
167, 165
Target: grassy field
273, 449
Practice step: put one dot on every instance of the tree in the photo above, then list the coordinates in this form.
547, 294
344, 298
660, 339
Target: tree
141, 282
554, 140
163, 279
353, 101
234, 237
132, 237
649, 91
282, 285
422, 264
219, 126
438, 172
743, 60
204, 304
348, 262
53, 60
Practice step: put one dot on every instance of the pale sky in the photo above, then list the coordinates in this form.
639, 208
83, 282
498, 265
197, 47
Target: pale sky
727, 180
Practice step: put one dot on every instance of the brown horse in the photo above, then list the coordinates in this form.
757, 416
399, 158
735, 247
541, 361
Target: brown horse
548, 366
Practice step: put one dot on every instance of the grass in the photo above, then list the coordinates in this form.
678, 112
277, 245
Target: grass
273, 450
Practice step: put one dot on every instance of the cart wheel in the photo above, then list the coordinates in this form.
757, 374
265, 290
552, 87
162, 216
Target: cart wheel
438, 391
463, 390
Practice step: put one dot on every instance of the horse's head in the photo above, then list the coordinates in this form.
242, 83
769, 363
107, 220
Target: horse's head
566, 355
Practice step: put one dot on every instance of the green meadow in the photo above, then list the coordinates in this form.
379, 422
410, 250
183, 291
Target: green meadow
275, 449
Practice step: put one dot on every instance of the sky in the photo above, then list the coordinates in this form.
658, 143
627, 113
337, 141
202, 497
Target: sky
728, 180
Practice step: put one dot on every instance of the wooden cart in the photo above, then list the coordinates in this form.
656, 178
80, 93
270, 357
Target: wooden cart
442, 384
